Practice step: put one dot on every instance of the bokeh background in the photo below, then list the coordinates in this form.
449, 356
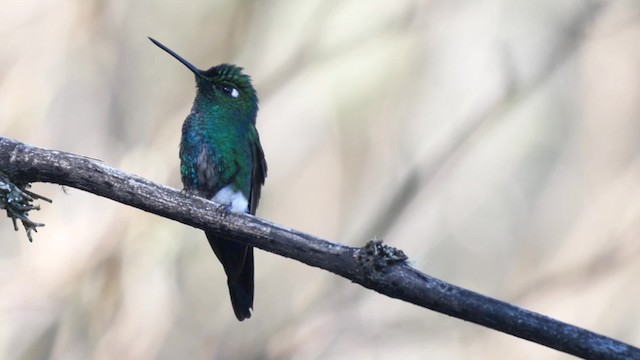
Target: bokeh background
496, 142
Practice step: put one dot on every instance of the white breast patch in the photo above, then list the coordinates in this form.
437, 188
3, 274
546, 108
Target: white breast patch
232, 198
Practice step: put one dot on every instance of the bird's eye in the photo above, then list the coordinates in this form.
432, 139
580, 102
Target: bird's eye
229, 90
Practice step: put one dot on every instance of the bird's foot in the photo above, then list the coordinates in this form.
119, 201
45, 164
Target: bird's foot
226, 209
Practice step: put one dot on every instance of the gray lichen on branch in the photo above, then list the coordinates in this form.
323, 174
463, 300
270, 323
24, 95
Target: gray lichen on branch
18, 201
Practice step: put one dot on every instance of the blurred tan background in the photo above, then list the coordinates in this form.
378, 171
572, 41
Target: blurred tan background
495, 142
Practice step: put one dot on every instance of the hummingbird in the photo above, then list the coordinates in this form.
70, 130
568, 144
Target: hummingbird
221, 159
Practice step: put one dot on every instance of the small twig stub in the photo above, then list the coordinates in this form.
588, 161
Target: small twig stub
378, 256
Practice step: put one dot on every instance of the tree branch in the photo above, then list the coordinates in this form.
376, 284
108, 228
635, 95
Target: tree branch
375, 266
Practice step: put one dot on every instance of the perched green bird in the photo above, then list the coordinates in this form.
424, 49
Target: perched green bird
221, 159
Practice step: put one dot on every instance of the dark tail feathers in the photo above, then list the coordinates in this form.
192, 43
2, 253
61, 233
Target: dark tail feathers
237, 260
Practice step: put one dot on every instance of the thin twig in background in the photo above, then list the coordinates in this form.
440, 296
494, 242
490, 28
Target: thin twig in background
375, 266
423, 172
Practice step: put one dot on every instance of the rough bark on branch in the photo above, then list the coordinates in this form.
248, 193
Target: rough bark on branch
375, 266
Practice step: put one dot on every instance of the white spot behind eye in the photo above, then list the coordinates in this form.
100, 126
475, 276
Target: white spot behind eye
234, 93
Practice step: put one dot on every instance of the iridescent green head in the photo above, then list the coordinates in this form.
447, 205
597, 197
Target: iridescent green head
223, 84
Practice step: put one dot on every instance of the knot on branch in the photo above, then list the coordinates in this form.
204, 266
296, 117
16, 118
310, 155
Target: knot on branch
18, 201
378, 257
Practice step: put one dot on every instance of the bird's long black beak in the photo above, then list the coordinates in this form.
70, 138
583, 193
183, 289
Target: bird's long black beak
180, 58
